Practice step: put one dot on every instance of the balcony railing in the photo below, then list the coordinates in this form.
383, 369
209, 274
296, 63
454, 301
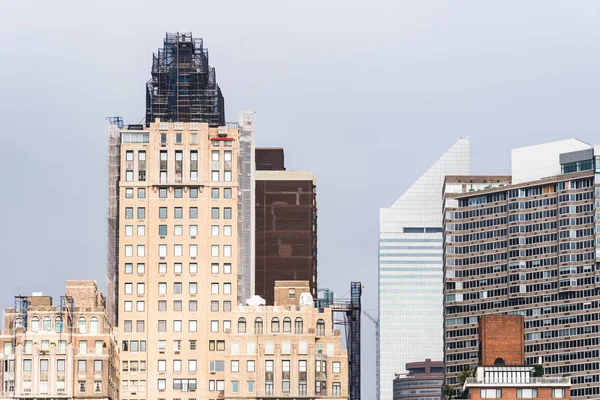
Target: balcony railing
531, 381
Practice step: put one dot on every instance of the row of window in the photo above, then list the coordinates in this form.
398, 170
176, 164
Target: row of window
163, 193
46, 324
163, 213
178, 268
140, 250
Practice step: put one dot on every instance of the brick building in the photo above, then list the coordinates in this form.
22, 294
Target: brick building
502, 373
286, 224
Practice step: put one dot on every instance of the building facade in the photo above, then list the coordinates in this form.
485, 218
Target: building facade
410, 271
286, 224
65, 351
423, 381
501, 373
529, 248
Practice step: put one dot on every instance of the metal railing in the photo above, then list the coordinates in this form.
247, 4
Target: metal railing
529, 381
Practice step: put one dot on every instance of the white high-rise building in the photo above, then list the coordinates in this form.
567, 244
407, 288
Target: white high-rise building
410, 271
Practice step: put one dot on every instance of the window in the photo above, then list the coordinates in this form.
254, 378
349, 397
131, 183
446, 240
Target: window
193, 250
128, 306
320, 327
251, 385
139, 325
214, 326
227, 305
177, 365
162, 230
162, 365
81, 386
47, 324
162, 305
162, 384
227, 175
192, 365
193, 212
242, 325
162, 326
214, 268
227, 268
162, 193
227, 230
227, 193
287, 324
227, 155
141, 288
178, 193
141, 268
214, 230
162, 212
227, 213
269, 347
193, 268
128, 253
298, 326
275, 325
162, 250
81, 324
235, 386
81, 365
527, 393
97, 365
178, 212
214, 212
491, 393
141, 212
214, 288
192, 345
558, 393
193, 230
60, 365
193, 326
141, 250
128, 270
178, 268
178, 230
214, 250
128, 326
193, 288
141, 230
215, 175
227, 288
285, 376
177, 288
140, 306
83, 347
58, 326
177, 325
129, 213
193, 193
129, 193
177, 305
258, 326
336, 388
141, 193
286, 347
336, 367
214, 193
193, 305
227, 250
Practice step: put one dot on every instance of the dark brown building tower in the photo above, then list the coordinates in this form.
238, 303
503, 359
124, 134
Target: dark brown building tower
286, 224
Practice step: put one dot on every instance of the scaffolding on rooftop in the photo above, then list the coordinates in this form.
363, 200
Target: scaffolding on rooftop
183, 87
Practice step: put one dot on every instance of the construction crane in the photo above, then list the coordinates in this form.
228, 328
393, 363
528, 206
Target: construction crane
376, 322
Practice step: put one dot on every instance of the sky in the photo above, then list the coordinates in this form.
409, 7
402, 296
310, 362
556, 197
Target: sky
367, 95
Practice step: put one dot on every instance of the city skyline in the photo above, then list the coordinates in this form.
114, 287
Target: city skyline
438, 74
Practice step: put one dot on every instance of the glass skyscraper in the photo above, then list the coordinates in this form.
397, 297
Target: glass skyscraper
410, 271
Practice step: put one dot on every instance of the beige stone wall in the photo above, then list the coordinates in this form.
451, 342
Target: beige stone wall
44, 360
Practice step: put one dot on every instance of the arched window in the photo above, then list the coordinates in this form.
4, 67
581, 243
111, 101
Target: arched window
258, 326
287, 324
82, 325
47, 324
242, 325
94, 325
275, 325
59, 324
298, 326
499, 362
320, 328
35, 324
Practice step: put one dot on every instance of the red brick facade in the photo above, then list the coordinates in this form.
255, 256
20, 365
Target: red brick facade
502, 337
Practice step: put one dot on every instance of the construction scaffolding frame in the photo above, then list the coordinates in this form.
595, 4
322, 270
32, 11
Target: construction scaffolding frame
67, 306
183, 87
351, 311
21, 309
112, 219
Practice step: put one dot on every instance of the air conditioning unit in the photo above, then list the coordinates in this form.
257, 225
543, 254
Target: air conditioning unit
176, 351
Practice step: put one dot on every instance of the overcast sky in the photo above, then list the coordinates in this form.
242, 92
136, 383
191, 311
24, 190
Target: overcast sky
365, 94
